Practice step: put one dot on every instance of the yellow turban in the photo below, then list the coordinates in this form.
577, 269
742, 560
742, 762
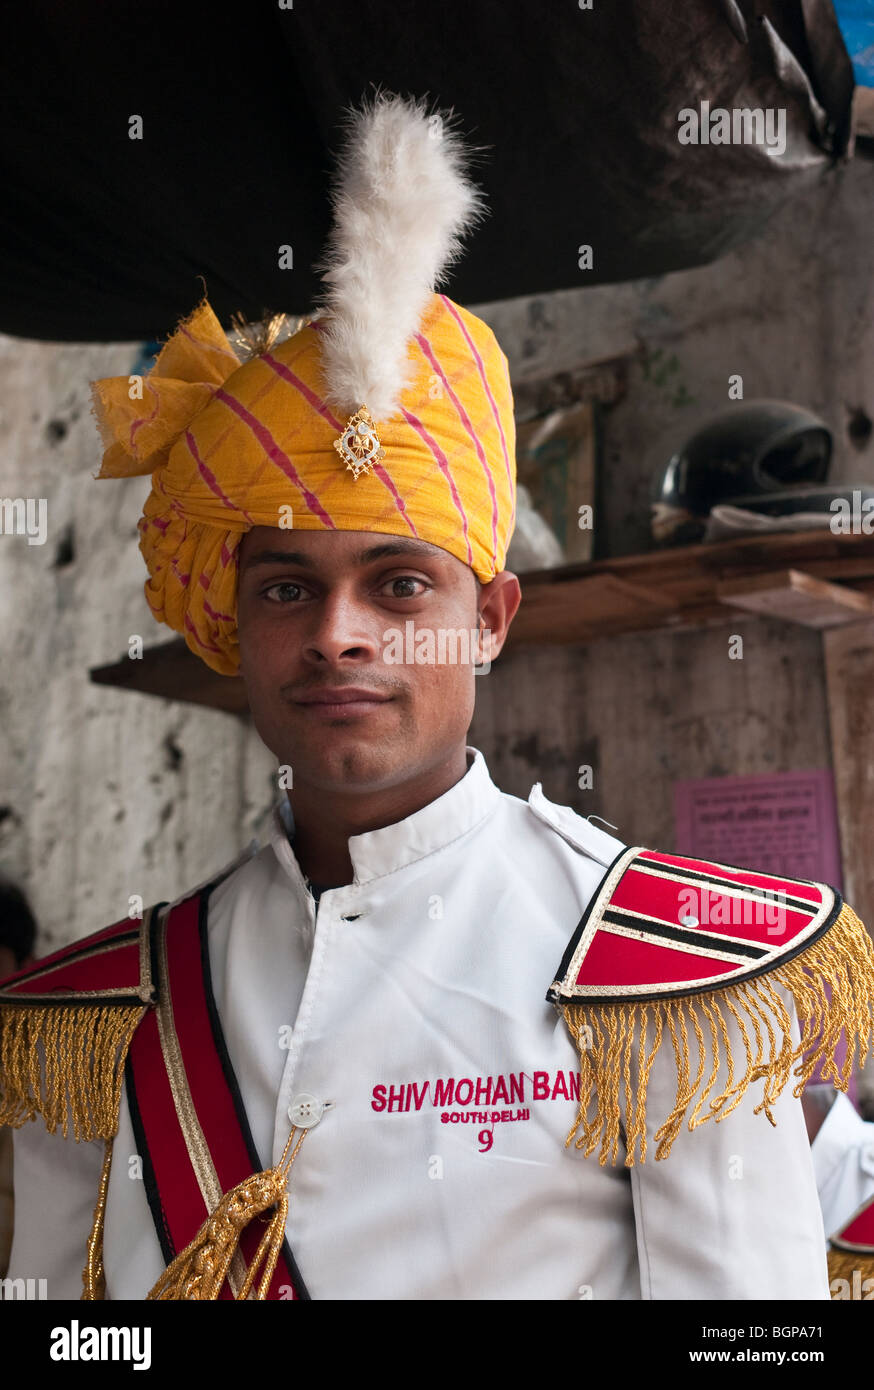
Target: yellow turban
232, 446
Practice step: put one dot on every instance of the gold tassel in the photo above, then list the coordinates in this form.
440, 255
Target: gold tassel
65, 1062
199, 1271
832, 983
852, 1267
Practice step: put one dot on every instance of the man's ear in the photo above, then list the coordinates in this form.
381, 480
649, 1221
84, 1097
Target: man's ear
498, 603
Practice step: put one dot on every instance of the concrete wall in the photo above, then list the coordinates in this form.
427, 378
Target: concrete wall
103, 794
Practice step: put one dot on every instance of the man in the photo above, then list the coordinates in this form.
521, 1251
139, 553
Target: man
343, 1078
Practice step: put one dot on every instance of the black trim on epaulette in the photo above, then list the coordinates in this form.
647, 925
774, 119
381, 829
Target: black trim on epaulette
555, 996
698, 876
552, 996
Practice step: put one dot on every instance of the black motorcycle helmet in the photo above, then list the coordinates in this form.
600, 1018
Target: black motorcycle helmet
752, 449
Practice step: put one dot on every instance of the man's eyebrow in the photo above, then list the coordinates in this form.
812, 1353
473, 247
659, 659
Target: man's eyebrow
359, 557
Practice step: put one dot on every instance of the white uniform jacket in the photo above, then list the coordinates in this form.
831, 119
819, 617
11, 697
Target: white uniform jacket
411, 1004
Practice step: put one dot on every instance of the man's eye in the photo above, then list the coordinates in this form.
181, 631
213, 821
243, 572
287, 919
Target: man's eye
274, 592
405, 579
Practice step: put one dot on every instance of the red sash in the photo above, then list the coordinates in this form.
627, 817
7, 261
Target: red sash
191, 1130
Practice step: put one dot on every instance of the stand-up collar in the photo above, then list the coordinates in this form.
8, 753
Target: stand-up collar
379, 852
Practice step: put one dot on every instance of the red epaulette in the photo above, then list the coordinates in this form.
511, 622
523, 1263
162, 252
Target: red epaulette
688, 954
108, 966
66, 1023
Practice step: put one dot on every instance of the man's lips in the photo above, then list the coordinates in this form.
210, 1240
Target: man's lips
340, 695
343, 700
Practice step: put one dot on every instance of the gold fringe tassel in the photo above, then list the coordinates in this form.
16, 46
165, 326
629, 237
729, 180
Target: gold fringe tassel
199, 1271
65, 1062
853, 1268
832, 983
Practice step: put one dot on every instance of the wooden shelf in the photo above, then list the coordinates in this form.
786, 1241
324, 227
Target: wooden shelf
170, 670
811, 577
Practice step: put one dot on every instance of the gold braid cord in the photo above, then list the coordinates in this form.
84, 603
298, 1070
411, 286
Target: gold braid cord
832, 983
93, 1275
65, 1062
199, 1271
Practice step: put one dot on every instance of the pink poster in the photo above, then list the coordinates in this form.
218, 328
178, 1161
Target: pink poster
777, 822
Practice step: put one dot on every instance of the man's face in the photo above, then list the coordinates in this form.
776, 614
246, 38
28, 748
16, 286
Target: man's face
315, 613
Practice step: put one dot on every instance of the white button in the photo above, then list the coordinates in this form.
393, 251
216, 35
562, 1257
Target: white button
305, 1111
688, 920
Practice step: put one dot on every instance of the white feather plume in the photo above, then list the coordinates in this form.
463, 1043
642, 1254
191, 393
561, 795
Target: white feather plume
401, 206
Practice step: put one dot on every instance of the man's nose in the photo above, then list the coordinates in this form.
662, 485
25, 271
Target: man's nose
339, 627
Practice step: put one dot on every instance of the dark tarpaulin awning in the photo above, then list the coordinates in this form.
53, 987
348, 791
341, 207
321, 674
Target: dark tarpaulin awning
103, 237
